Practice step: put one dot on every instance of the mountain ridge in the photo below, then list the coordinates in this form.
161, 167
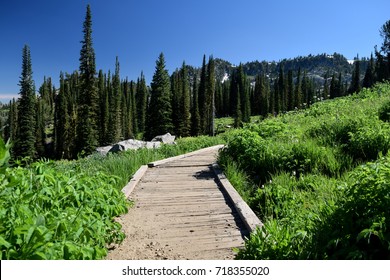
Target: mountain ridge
316, 67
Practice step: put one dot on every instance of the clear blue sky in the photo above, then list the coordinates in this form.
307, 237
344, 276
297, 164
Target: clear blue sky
137, 31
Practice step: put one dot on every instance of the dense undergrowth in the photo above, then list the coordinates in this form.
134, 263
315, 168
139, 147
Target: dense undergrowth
66, 209
318, 179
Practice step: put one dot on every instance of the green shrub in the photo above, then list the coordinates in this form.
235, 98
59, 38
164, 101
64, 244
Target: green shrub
272, 242
360, 227
49, 215
290, 209
384, 112
262, 158
369, 141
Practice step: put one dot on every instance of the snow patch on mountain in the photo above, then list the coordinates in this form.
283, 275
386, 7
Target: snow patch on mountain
225, 77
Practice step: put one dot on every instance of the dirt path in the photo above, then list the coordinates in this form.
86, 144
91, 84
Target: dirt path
180, 212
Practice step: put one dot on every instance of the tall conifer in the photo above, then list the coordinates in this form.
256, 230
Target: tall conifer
185, 118
369, 78
202, 95
210, 97
11, 128
159, 119
298, 91
88, 107
26, 122
355, 83
195, 117
141, 100
290, 91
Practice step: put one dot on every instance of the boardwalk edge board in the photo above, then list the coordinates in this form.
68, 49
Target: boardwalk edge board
127, 190
159, 162
251, 221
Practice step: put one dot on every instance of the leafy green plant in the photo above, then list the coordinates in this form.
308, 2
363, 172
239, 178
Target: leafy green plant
4, 154
384, 112
49, 215
360, 226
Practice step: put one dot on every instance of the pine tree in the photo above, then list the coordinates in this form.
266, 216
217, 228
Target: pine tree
111, 105
340, 87
219, 100
26, 122
141, 100
65, 118
115, 113
290, 91
235, 99
261, 93
210, 98
185, 117
11, 128
305, 90
381, 71
243, 88
133, 129
176, 100
160, 111
195, 117
202, 96
88, 103
333, 87
266, 96
60, 117
276, 98
385, 34
327, 90
281, 91
40, 137
355, 83
45, 119
126, 124
298, 91
226, 99
256, 100
103, 100
369, 78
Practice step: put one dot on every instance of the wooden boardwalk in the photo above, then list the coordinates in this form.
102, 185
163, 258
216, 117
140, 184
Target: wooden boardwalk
181, 211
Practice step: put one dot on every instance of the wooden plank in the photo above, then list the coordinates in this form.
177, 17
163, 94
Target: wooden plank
127, 190
205, 150
250, 219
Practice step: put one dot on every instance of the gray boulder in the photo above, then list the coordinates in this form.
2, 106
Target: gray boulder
153, 145
166, 138
103, 150
117, 148
132, 144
